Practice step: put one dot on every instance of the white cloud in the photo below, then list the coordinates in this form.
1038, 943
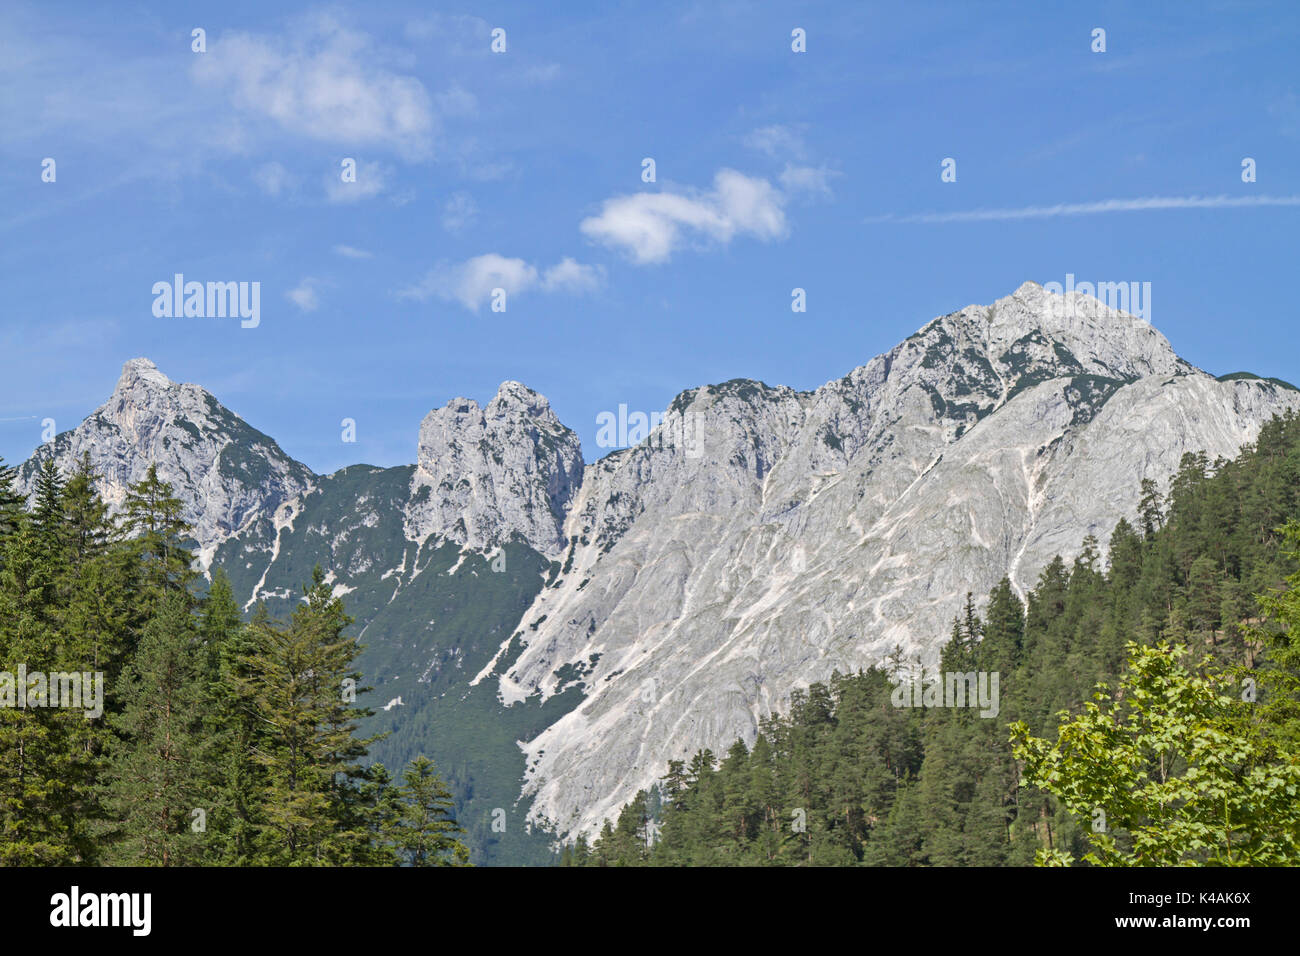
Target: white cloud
568, 275
471, 282
253, 94
778, 142
372, 179
304, 296
325, 82
351, 252
650, 226
1094, 208
807, 179
456, 102
458, 212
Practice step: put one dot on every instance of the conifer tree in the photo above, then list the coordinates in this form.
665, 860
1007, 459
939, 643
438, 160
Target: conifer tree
234, 728
303, 681
425, 831
152, 518
156, 780
11, 503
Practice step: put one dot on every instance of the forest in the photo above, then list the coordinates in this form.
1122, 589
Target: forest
223, 741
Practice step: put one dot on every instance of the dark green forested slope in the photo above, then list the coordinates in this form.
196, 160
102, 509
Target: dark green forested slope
453, 624
1190, 755
429, 619
214, 740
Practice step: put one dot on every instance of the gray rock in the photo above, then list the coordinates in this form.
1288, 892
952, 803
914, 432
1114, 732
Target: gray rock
822, 531
226, 473
485, 475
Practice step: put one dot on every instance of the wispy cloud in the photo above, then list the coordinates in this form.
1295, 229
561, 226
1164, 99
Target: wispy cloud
777, 141
351, 252
325, 82
649, 227
272, 178
1093, 208
472, 282
371, 179
304, 295
459, 211
569, 275
815, 180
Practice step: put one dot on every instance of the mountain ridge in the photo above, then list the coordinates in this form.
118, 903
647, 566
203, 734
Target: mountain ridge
678, 590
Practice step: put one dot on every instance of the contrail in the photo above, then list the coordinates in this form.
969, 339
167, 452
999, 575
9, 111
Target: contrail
1093, 208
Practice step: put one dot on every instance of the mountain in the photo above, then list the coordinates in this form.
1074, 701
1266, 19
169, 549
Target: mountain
552, 632
826, 530
487, 475
227, 473
437, 561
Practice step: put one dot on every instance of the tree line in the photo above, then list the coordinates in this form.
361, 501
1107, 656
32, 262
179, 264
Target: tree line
221, 741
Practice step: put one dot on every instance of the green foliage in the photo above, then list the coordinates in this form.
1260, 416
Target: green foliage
153, 782
252, 722
423, 831
433, 618
219, 741
1170, 769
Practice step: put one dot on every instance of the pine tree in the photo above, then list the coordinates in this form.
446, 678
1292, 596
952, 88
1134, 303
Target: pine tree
234, 728
303, 681
153, 520
1004, 631
156, 780
11, 503
48, 806
1150, 509
427, 833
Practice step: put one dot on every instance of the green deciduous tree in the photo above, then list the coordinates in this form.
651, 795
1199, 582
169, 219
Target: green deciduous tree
1169, 770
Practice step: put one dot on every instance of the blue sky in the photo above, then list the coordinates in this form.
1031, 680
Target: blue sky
523, 170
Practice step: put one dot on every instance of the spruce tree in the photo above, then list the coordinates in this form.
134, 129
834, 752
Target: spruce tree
152, 519
156, 781
302, 680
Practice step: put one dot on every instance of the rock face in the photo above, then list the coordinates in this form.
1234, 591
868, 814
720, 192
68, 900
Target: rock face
674, 593
486, 475
225, 472
823, 530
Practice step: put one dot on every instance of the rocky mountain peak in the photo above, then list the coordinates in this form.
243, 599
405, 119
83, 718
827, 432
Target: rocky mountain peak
516, 396
822, 531
145, 400
485, 475
1100, 333
141, 372
224, 471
